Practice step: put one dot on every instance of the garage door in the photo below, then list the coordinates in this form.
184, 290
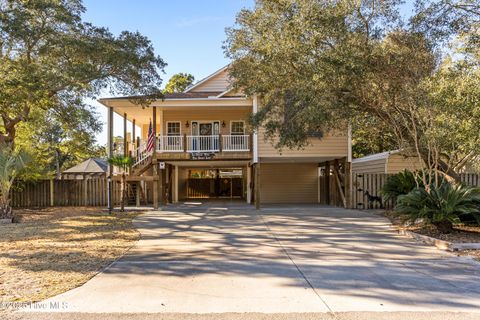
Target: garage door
289, 183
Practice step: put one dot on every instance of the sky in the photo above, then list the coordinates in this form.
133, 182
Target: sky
187, 34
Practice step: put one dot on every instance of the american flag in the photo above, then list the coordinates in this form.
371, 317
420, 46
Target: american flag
151, 138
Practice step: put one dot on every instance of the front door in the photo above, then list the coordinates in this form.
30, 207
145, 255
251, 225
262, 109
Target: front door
205, 136
206, 129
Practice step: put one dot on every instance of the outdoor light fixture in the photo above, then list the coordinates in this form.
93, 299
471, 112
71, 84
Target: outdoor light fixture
187, 124
223, 124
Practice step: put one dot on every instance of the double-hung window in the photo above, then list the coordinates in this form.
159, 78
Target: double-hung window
173, 128
237, 128
174, 139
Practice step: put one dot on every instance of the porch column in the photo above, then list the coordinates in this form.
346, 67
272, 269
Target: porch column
249, 184
154, 125
110, 155
133, 135
125, 141
255, 135
257, 186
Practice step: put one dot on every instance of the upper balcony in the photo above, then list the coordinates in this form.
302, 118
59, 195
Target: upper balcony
198, 147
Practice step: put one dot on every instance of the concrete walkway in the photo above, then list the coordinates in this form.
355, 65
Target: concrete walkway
213, 258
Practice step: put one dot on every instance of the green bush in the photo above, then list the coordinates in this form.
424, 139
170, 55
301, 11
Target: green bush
442, 207
398, 184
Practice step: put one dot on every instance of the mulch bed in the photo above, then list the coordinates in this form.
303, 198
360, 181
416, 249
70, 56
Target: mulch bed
461, 234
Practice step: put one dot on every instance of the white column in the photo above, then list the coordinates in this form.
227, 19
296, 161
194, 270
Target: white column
255, 134
349, 151
175, 185
249, 181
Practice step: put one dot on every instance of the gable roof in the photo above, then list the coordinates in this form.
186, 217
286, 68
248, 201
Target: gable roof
92, 165
199, 83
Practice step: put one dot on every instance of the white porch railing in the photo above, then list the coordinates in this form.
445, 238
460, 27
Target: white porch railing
203, 143
170, 144
140, 153
235, 143
212, 143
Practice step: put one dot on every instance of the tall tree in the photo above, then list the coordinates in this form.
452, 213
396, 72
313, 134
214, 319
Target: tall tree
179, 82
317, 64
50, 60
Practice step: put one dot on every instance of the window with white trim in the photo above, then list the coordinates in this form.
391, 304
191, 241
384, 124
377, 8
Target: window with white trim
237, 127
173, 128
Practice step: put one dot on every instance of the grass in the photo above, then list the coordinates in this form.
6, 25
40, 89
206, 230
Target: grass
52, 251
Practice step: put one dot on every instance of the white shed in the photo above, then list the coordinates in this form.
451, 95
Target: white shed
386, 162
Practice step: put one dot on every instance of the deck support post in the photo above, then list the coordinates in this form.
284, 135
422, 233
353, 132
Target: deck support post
137, 194
161, 186
327, 183
175, 185
348, 184
249, 184
155, 183
257, 186
110, 155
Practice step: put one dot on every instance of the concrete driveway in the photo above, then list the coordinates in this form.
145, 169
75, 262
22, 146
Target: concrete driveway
214, 258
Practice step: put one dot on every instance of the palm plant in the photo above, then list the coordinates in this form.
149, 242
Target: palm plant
398, 184
11, 163
442, 206
122, 163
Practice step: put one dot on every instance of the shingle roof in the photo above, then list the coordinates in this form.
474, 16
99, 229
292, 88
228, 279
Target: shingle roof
92, 165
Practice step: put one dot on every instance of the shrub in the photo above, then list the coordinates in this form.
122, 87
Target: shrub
398, 184
442, 207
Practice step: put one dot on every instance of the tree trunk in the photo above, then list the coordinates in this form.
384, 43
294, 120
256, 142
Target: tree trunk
443, 167
444, 226
6, 211
57, 164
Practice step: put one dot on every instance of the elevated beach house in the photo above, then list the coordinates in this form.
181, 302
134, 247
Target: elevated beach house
202, 148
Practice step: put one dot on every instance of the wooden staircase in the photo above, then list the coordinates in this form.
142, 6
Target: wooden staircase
131, 194
141, 166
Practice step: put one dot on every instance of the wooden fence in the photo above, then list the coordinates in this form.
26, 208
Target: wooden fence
46, 193
374, 182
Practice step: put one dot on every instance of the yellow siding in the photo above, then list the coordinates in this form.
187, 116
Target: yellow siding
370, 166
145, 130
328, 146
289, 183
397, 163
218, 83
